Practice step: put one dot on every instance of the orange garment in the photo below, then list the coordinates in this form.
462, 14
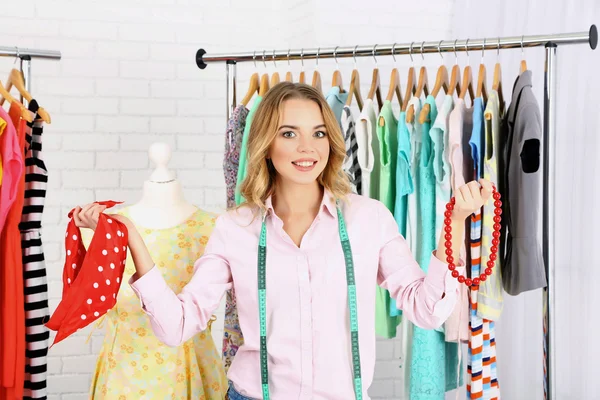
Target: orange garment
12, 302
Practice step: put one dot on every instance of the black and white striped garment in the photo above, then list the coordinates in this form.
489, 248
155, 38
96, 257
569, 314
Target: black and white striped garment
34, 266
351, 165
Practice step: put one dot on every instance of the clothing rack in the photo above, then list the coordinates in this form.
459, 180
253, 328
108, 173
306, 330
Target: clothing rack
550, 42
25, 56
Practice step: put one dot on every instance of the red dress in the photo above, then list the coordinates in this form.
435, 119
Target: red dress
12, 320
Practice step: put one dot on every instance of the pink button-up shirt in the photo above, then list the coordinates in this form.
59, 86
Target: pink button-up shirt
308, 329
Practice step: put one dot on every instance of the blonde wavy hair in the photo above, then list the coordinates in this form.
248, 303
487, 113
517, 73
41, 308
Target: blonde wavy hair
259, 183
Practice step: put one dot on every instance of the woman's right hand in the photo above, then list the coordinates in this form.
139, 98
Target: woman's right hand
87, 216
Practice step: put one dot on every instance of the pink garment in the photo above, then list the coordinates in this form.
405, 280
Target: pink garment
308, 327
461, 119
12, 164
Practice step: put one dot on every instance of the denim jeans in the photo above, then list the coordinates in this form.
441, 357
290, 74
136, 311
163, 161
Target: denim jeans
232, 394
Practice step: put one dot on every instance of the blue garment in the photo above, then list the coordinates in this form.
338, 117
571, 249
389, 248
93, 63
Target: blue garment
404, 186
336, 101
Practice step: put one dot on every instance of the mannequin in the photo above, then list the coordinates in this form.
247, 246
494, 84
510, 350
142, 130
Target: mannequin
163, 204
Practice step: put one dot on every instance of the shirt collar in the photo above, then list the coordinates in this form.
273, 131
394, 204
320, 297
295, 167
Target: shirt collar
327, 204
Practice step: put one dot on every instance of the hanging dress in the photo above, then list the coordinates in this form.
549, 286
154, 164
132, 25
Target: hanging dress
351, 165
133, 363
387, 126
34, 266
368, 148
232, 333
12, 317
243, 164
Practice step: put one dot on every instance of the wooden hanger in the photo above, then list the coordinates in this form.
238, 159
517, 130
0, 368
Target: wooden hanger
454, 75
264, 85
523, 62
15, 78
375, 89
441, 82
394, 82
467, 81
422, 87
25, 113
316, 79
288, 75
497, 82
254, 85
354, 90
481, 78
336, 80
410, 87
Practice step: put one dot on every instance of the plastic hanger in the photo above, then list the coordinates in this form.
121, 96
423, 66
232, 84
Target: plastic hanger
288, 75
275, 77
441, 82
422, 87
302, 77
523, 62
316, 79
254, 85
15, 78
375, 89
354, 90
264, 80
336, 80
394, 81
454, 75
482, 77
410, 81
467, 81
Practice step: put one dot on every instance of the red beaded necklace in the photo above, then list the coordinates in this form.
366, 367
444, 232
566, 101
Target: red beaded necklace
493, 250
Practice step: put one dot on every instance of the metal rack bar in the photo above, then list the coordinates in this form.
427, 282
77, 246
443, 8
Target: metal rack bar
510, 42
32, 53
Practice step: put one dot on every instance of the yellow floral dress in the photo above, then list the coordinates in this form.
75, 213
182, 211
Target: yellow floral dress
133, 363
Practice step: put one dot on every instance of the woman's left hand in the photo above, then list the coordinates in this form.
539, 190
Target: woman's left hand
470, 198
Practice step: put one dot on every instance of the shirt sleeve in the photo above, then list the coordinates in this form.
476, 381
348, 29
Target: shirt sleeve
176, 318
427, 300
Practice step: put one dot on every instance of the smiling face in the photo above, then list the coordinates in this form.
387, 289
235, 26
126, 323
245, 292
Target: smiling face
300, 150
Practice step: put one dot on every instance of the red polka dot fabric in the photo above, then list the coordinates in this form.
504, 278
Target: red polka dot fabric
92, 277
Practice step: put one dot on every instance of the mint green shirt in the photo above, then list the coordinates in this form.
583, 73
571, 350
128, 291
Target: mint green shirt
244, 151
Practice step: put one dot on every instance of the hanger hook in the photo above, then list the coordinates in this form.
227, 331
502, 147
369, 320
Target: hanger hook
498, 50
264, 63
394, 51
482, 50
455, 55
254, 59
302, 57
440, 50
274, 63
374, 52
410, 52
288, 57
337, 65
422, 56
18, 55
467, 51
354, 55
522, 51
317, 59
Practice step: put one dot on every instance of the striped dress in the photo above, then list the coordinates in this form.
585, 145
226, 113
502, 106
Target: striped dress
34, 267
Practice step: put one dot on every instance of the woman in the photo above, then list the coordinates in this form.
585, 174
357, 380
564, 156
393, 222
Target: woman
299, 211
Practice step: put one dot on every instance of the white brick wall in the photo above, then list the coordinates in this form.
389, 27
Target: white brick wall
128, 78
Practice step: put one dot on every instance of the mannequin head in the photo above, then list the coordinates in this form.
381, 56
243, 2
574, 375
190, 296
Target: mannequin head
294, 139
160, 155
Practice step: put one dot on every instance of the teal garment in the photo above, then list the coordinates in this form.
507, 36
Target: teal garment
385, 324
431, 366
243, 165
404, 186
337, 101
